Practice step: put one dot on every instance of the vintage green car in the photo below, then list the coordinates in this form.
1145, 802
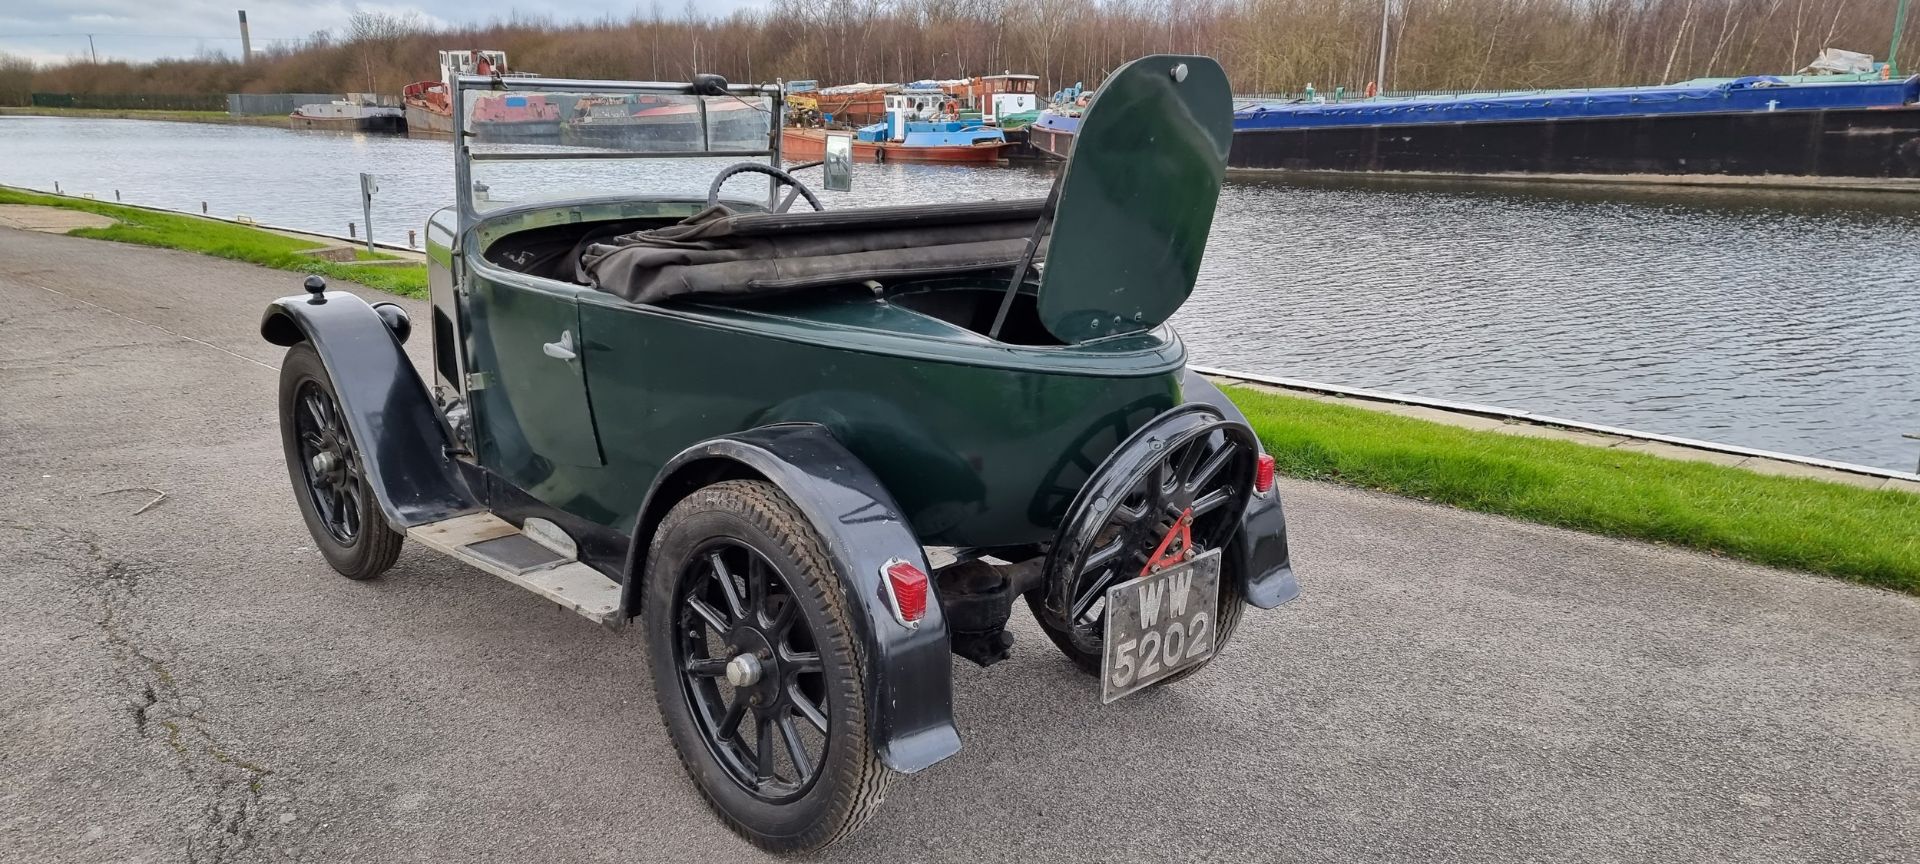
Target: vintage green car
819, 452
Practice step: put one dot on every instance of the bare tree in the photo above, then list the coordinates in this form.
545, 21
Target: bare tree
373, 36
16, 80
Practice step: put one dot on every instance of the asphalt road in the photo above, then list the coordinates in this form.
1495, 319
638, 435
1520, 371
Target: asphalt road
192, 683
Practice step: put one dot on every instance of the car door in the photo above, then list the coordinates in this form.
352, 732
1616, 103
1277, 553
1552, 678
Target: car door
527, 383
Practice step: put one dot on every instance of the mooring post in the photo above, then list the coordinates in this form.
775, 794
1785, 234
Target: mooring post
1910, 436
367, 188
56, 188
410, 243
203, 208
116, 194
352, 231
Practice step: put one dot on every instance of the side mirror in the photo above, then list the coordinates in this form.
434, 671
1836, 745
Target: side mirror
839, 163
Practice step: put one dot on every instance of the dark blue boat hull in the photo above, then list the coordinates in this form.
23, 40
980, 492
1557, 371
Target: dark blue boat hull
1860, 142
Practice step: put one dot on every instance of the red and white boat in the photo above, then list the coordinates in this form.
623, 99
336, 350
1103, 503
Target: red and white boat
918, 126
807, 145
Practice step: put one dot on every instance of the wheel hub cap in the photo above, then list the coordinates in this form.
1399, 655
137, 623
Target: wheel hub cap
752, 671
324, 462
743, 671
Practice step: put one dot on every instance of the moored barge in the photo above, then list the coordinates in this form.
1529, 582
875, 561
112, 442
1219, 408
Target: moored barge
918, 126
806, 145
505, 116
1835, 126
347, 115
1052, 133
426, 108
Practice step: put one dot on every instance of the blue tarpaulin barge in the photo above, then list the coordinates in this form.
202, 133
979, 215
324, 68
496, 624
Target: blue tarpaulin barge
1744, 126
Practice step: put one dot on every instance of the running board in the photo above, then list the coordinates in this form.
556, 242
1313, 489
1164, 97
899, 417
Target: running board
492, 544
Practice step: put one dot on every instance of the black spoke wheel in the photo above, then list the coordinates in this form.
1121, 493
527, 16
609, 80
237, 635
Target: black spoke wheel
327, 461
1192, 466
741, 651
759, 675
328, 474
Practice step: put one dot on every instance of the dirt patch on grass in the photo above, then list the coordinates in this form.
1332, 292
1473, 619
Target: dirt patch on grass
52, 220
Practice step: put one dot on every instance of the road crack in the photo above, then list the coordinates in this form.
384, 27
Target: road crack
246, 806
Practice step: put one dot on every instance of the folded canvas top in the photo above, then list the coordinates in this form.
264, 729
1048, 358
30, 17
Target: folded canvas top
717, 253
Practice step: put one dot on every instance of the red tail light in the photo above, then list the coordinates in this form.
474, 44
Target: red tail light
1263, 474
908, 585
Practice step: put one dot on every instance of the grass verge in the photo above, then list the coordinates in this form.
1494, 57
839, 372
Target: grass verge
226, 240
1859, 534
219, 117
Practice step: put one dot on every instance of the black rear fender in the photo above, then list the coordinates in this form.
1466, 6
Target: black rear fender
909, 671
1259, 551
396, 429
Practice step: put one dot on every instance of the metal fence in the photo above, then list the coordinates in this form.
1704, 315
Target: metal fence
243, 104
129, 101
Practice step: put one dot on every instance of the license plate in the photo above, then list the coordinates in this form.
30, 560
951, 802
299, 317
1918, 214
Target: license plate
1158, 625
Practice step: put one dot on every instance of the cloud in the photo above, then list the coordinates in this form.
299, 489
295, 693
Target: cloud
44, 58
139, 30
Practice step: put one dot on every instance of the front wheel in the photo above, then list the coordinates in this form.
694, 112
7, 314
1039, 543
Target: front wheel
329, 478
760, 677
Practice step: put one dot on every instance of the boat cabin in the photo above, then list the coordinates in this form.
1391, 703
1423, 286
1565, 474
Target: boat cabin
925, 104
995, 96
473, 62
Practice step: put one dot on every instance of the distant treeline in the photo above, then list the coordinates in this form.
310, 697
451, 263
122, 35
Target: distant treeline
1267, 46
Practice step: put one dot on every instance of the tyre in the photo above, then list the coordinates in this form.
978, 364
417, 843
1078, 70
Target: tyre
1233, 604
1192, 466
760, 676
329, 478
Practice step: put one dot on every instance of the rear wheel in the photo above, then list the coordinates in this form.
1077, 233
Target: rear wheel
760, 677
1233, 602
1195, 465
329, 478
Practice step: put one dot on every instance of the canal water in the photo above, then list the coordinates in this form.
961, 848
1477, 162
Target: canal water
1784, 320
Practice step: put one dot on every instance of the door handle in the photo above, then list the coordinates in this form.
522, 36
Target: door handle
561, 350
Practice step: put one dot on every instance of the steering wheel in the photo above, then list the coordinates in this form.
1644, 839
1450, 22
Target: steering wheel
799, 189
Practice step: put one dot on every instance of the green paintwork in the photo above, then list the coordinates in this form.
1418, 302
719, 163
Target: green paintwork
1015, 120
981, 443
1137, 199
533, 408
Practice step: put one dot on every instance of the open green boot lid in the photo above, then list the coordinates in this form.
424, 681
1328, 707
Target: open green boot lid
1137, 198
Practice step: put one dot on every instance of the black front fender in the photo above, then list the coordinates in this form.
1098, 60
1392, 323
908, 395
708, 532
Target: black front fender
395, 426
909, 671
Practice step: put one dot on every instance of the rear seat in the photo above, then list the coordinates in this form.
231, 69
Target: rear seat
718, 254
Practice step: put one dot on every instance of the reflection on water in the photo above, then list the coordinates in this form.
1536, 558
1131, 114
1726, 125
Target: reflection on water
1785, 320
1781, 320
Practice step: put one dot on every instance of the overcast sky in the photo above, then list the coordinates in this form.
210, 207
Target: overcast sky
55, 30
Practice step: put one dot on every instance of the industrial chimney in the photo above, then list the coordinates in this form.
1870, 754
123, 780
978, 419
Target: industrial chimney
246, 40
